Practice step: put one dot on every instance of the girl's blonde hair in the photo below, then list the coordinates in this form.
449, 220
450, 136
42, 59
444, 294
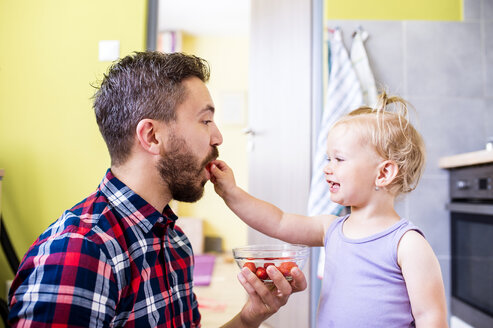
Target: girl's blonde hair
389, 131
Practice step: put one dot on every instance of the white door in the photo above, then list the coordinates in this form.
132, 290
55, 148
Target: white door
280, 102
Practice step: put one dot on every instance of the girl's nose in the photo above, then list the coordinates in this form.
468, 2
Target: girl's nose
328, 168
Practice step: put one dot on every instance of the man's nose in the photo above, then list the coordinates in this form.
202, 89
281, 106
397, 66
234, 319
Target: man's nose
216, 137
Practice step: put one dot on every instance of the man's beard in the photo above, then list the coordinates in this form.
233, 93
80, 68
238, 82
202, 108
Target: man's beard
182, 171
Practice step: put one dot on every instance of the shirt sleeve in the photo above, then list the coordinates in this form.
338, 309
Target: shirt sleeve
65, 281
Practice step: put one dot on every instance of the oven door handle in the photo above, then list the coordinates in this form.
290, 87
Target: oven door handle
486, 209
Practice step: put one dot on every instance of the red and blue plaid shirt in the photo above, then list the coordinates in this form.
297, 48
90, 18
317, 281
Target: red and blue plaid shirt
110, 261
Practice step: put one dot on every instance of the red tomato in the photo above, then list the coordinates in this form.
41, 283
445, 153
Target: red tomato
267, 264
286, 267
251, 266
261, 273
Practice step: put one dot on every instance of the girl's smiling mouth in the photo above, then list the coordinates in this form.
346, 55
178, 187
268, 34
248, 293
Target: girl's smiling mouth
333, 186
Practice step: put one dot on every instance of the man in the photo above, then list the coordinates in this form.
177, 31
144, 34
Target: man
117, 258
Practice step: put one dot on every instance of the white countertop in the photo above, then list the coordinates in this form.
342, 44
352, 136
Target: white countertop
466, 159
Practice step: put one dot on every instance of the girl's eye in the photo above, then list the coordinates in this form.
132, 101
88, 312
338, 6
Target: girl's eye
337, 159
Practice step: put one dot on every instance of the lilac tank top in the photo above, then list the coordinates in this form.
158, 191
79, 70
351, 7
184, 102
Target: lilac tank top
363, 285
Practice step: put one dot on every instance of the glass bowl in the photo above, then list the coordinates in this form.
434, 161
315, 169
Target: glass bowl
284, 256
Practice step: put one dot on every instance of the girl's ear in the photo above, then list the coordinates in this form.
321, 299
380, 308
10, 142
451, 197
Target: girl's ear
387, 171
148, 136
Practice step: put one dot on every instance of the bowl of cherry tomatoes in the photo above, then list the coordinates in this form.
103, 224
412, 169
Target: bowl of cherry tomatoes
258, 258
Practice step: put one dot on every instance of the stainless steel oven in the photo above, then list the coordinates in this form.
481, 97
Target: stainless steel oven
471, 214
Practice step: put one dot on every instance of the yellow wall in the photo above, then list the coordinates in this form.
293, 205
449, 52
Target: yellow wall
438, 10
394, 9
50, 146
228, 59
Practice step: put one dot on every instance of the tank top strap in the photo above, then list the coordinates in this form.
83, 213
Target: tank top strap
405, 226
333, 226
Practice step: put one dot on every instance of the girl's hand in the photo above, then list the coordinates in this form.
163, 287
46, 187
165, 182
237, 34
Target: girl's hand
222, 177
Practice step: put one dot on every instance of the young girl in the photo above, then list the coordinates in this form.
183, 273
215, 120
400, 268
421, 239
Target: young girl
379, 269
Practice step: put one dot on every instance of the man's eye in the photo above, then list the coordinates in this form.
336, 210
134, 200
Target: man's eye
207, 122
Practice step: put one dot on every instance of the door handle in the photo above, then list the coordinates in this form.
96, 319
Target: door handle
250, 133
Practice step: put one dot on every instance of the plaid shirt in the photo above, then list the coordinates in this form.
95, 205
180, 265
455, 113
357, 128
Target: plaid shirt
110, 261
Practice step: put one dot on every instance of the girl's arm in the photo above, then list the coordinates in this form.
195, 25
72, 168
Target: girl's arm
265, 217
423, 277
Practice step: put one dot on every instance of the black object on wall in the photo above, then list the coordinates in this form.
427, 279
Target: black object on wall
8, 248
13, 261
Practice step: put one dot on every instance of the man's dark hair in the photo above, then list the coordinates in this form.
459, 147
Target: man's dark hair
142, 85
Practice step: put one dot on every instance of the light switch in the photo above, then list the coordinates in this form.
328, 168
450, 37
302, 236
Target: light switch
109, 50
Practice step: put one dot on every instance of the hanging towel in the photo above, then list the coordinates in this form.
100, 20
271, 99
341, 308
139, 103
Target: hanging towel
361, 65
343, 95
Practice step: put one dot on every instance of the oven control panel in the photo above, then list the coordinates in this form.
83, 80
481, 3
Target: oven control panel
473, 182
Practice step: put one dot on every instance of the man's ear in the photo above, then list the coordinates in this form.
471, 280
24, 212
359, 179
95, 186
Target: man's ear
387, 171
148, 136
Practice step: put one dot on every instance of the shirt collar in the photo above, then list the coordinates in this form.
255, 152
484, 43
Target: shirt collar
132, 207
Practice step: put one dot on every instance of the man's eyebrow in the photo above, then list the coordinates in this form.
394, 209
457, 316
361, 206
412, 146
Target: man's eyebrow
207, 108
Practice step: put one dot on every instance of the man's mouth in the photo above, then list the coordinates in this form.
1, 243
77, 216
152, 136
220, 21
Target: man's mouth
208, 170
212, 157
206, 164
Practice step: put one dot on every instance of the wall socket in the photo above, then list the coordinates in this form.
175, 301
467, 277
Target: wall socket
109, 50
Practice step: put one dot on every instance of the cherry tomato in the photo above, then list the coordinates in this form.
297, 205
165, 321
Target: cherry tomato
251, 266
286, 267
266, 265
261, 273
